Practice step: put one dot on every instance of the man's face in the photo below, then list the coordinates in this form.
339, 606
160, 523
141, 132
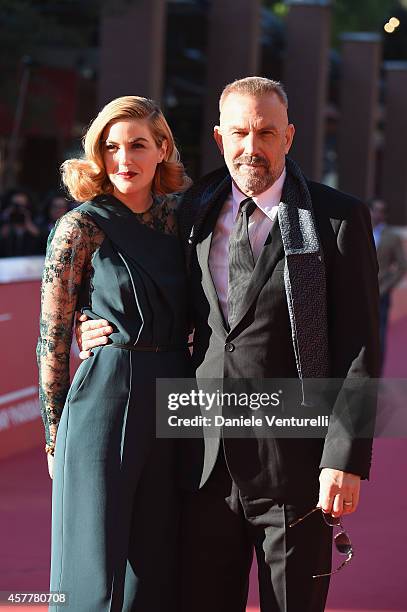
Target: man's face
254, 137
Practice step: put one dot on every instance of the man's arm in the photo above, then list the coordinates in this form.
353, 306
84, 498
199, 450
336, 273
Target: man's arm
354, 347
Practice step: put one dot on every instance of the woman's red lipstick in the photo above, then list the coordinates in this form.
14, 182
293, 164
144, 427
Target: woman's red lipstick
127, 174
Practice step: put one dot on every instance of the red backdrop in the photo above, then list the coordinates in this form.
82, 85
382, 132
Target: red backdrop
20, 423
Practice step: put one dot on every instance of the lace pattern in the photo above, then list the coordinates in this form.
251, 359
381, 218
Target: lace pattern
161, 216
67, 267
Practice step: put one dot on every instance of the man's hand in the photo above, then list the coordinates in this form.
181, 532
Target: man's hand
91, 333
336, 488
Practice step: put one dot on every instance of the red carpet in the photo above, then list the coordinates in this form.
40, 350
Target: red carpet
376, 580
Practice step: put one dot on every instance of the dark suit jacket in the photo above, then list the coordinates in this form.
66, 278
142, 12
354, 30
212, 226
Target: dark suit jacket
262, 343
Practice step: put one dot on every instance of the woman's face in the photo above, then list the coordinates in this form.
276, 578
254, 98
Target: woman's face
131, 155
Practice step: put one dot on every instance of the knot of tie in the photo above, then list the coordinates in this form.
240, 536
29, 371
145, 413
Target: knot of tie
247, 206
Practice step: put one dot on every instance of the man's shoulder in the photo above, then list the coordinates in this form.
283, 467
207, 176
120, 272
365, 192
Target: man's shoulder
321, 192
204, 187
204, 190
335, 204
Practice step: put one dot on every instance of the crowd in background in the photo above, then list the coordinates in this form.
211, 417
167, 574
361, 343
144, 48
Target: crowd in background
25, 223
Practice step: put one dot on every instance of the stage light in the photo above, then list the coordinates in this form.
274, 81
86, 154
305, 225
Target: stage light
389, 28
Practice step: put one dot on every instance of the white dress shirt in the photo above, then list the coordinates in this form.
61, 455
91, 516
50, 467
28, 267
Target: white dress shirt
260, 224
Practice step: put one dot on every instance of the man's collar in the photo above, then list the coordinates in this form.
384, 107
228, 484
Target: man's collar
266, 201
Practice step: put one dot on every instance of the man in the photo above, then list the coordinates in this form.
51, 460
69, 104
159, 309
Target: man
19, 235
391, 260
283, 280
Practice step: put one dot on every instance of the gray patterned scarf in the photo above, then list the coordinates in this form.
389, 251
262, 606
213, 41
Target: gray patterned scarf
304, 276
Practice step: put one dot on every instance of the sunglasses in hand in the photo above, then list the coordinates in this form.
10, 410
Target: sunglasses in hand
341, 540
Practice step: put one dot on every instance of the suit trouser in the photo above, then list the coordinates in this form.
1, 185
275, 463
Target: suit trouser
218, 540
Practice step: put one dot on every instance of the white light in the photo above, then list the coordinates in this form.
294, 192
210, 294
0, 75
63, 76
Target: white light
394, 22
389, 28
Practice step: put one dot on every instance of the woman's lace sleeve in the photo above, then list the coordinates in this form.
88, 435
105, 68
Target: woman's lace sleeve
67, 268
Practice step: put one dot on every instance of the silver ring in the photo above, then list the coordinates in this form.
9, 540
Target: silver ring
345, 503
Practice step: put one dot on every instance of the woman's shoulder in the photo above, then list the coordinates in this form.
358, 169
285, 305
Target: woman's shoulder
76, 225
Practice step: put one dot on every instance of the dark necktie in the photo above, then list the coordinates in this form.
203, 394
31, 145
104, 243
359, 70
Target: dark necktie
241, 260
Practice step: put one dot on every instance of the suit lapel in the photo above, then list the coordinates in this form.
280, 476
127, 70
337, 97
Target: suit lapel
203, 232
212, 198
202, 251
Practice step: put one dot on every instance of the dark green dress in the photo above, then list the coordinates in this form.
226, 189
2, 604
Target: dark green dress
115, 519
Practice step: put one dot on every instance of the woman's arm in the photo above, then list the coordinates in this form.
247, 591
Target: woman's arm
67, 268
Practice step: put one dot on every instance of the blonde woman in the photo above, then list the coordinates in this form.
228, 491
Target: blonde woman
116, 257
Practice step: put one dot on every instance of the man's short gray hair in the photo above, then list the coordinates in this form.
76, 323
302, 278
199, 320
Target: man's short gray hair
254, 86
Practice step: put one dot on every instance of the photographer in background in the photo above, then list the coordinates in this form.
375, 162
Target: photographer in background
19, 235
55, 206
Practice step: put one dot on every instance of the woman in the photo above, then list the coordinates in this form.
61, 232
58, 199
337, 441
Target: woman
117, 257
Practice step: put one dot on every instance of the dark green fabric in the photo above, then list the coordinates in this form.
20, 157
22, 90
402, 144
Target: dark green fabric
114, 500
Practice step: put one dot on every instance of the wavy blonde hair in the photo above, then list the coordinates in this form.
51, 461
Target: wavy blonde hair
86, 178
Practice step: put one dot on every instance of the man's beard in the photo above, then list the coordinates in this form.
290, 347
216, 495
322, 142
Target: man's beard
256, 179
